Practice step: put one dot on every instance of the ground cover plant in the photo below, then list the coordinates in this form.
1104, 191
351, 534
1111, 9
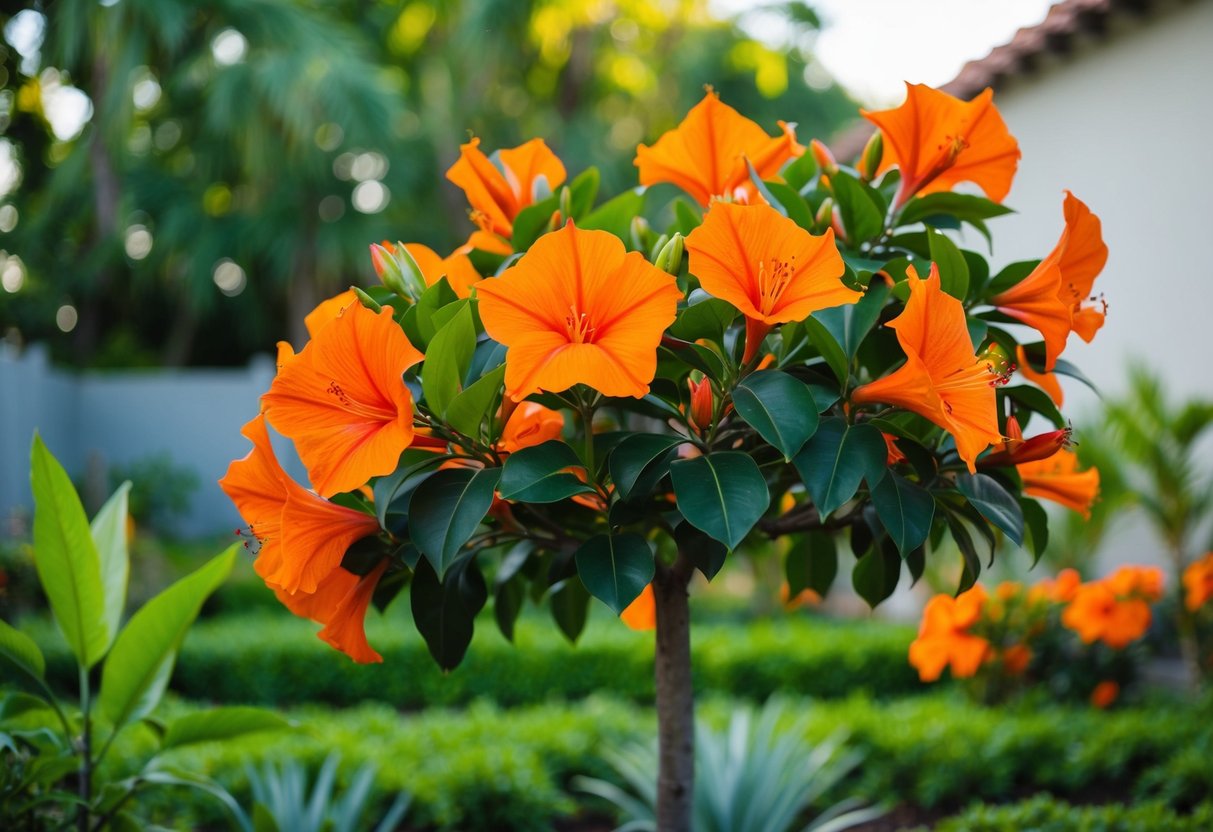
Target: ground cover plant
597, 400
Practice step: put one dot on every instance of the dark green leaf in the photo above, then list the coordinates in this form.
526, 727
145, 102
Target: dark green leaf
706, 319
832, 351
837, 458
905, 510
723, 494
812, 563
447, 508
1010, 276
851, 322
393, 491
507, 604
876, 574
1036, 400
445, 610
570, 603
965, 207
446, 361
779, 407
467, 410
639, 462
953, 270
994, 503
706, 553
540, 474
615, 568
1065, 368
964, 541
862, 218
1036, 519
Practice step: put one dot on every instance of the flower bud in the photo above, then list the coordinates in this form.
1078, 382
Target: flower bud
869, 160
397, 270
639, 233
366, 300
566, 202
1017, 450
824, 158
702, 404
669, 259
824, 215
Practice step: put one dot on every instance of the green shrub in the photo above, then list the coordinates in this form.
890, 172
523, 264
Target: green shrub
277, 659
1044, 814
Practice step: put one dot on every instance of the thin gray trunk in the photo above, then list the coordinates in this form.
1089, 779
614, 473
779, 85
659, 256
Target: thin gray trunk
675, 698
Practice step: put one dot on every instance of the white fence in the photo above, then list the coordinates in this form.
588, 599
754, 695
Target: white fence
192, 417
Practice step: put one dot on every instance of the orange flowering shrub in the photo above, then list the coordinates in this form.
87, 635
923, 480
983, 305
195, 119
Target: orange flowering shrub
1069, 635
595, 398
1198, 583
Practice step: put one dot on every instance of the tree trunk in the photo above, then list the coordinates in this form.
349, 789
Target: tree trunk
675, 698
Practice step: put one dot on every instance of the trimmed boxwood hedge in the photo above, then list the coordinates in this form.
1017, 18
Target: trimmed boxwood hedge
1044, 814
276, 659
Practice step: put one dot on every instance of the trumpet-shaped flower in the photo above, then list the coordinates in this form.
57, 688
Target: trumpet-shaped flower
937, 141
942, 380
343, 402
1015, 449
1057, 478
578, 308
641, 614
328, 311
340, 603
944, 638
498, 194
300, 537
530, 424
1053, 299
706, 154
1044, 379
1099, 613
767, 266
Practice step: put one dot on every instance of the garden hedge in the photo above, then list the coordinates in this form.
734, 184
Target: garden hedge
1044, 814
275, 659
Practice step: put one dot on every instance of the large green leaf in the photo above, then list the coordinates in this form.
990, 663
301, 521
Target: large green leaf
615, 215
66, 558
468, 409
639, 462
966, 207
532, 221
445, 610
875, 575
723, 494
21, 650
1036, 522
851, 322
861, 216
447, 508
615, 568
446, 361
109, 536
812, 563
540, 474
392, 492
837, 459
138, 668
706, 319
218, 724
832, 351
779, 407
905, 509
570, 605
953, 269
994, 502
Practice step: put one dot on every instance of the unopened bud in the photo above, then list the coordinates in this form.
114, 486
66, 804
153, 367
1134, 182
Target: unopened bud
824, 158
869, 160
384, 260
669, 259
412, 278
639, 232
566, 203
366, 300
702, 407
824, 215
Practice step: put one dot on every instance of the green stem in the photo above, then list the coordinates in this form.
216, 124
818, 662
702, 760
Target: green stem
84, 787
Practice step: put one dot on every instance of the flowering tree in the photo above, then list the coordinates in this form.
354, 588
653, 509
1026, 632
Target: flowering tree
598, 401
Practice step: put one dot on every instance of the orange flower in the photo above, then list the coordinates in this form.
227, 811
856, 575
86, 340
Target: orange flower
805, 598
301, 537
706, 154
1015, 659
1058, 479
1104, 694
702, 407
1097, 613
530, 424
943, 637
1044, 380
942, 379
1015, 449
328, 311
1059, 590
641, 614
1051, 299
893, 454
1143, 582
767, 266
340, 603
578, 308
498, 195
937, 140
1198, 583
343, 402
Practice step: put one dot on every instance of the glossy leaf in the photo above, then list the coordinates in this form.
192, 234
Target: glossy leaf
862, 218
851, 322
467, 410
994, 502
570, 605
66, 558
540, 474
905, 510
837, 459
832, 351
141, 661
876, 574
615, 568
1036, 400
615, 215
392, 492
445, 610
706, 553
953, 269
447, 508
508, 598
965, 207
446, 361
109, 536
706, 319
723, 494
779, 407
639, 462
217, 724
532, 221
812, 563
1036, 522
